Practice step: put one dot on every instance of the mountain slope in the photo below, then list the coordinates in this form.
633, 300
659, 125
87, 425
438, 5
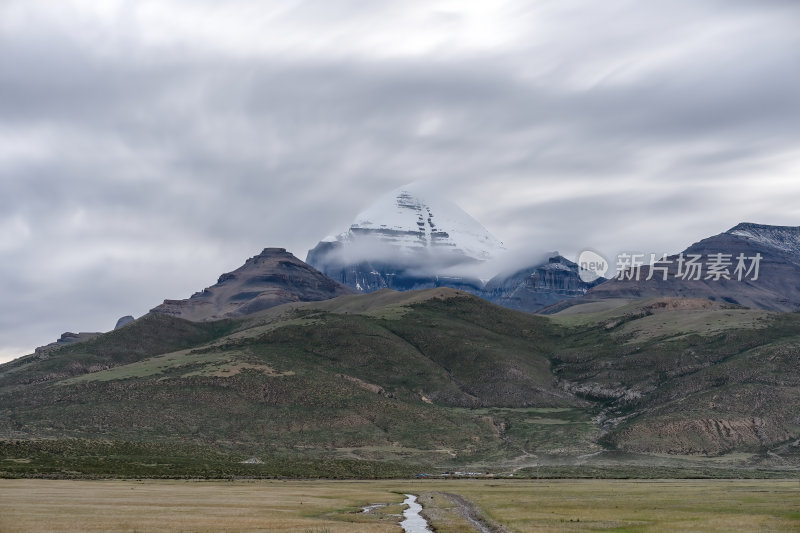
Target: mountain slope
271, 278
396, 379
425, 377
776, 288
688, 376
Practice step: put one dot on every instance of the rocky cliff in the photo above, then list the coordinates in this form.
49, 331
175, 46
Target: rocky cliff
536, 287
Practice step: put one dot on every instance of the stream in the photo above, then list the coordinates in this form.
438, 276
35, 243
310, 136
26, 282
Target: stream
412, 521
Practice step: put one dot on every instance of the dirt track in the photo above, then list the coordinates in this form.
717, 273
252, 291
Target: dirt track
459, 510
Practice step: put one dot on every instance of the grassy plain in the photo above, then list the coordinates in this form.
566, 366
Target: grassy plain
332, 506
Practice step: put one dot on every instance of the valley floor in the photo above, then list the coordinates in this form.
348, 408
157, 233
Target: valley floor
334, 506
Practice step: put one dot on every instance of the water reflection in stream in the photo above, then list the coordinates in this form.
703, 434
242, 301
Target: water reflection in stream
412, 521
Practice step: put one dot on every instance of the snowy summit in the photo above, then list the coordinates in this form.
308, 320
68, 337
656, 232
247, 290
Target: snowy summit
408, 239
413, 222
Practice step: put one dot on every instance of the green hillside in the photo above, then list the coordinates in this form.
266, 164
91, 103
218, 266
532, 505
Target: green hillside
392, 383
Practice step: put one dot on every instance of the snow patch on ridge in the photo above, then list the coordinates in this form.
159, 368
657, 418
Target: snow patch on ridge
784, 238
411, 219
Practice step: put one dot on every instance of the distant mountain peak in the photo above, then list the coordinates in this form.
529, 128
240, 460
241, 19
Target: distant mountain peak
270, 278
413, 238
776, 288
784, 238
273, 251
414, 223
752, 226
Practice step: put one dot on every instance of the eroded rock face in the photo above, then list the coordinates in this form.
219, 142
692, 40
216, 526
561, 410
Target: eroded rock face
702, 436
533, 288
271, 278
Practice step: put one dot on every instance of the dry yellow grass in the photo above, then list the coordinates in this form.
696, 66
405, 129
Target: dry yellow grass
652, 505
43, 505
300, 506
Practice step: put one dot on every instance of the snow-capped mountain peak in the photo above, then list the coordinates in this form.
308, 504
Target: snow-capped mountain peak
414, 219
413, 238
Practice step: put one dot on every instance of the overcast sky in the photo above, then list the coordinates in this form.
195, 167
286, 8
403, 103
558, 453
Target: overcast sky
148, 146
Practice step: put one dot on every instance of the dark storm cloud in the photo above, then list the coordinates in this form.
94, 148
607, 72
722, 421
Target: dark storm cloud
143, 152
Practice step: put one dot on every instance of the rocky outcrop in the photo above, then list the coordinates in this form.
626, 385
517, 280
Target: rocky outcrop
66, 338
533, 288
271, 278
124, 321
69, 337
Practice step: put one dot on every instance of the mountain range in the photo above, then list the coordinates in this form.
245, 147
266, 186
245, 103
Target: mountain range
394, 382
412, 238
315, 376
769, 279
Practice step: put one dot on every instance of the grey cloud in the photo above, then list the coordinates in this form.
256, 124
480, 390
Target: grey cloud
184, 161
